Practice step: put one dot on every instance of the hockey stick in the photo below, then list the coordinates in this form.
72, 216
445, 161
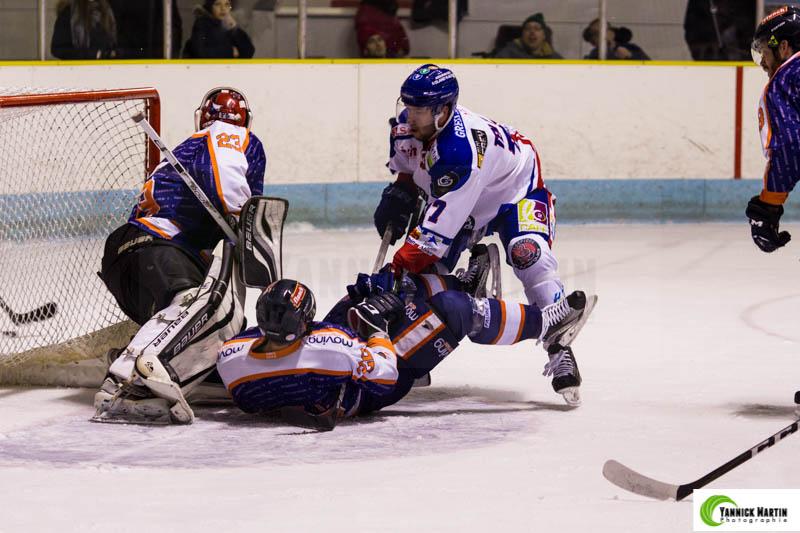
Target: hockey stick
42, 312
381, 257
185, 176
630, 480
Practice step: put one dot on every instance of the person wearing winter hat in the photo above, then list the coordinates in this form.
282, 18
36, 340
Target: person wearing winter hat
536, 41
618, 39
216, 34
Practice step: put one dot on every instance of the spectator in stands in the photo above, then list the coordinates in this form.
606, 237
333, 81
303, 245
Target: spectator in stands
536, 42
215, 33
719, 30
378, 30
618, 39
141, 28
85, 29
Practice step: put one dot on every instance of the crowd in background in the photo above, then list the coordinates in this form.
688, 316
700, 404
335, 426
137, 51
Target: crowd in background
126, 29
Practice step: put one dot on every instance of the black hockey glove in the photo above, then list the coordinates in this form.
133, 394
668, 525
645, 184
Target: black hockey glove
764, 220
375, 314
397, 203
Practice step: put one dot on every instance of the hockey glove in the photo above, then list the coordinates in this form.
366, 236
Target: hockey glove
375, 314
764, 220
397, 203
366, 285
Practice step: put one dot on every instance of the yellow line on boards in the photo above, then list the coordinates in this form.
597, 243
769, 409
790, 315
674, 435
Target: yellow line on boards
414, 61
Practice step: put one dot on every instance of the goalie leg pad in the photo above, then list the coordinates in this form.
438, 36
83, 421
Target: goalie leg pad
176, 348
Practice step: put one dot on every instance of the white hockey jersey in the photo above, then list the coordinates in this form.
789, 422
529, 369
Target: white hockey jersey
308, 372
473, 168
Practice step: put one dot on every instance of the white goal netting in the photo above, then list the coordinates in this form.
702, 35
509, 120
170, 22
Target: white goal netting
71, 166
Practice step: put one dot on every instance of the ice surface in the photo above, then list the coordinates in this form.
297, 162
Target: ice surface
690, 358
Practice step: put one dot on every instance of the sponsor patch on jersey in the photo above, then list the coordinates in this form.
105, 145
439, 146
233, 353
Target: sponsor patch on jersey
230, 350
525, 253
297, 295
430, 243
481, 143
532, 216
431, 157
401, 130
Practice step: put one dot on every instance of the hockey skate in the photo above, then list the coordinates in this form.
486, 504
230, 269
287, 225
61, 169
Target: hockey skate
563, 320
473, 279
483, 260
149, 397
119, 403
566, 377
797, 402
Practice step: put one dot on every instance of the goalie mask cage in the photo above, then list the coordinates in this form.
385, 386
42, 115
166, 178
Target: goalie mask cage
72, 164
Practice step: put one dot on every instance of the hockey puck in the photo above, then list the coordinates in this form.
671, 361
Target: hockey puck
9, 333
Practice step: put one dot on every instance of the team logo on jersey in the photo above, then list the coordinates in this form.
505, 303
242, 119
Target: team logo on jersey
444, 184
532, 216
481, 143
525, 253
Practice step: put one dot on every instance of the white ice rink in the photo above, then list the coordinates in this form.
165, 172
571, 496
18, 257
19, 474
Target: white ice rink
690, 358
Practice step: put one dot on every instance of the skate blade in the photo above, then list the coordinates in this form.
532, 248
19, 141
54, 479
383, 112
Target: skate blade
569, 336
107, 417
572, 395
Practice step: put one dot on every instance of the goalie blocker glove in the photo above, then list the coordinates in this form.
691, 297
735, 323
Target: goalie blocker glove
373, 315
764, 219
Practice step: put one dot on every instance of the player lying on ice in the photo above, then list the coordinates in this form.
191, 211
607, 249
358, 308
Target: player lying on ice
478, 177
317, 372
161, 271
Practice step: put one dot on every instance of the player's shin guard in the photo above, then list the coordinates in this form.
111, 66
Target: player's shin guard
176, 349
537, 268
500, 322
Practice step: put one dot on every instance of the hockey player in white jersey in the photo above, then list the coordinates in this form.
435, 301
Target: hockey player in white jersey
478, 177
171, 272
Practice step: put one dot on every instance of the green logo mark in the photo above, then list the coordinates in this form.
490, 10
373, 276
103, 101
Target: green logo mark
708, 507
424, 70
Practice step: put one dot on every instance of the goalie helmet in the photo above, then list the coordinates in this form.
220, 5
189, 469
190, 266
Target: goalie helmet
226, 104
782, 24
284, 310
430, 86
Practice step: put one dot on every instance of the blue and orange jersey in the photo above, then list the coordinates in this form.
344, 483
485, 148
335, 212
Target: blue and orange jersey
779, 124
226, 161
309, 372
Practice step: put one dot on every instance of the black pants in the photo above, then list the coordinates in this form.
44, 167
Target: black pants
144, 273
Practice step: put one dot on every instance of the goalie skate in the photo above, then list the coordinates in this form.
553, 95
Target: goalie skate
117, 403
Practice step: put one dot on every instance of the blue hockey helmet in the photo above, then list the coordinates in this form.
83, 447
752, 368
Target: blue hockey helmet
430, 86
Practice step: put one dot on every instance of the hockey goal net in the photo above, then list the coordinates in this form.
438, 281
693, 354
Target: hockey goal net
71, 166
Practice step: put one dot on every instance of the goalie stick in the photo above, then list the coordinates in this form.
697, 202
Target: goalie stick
185, 176
42, 312
630, 480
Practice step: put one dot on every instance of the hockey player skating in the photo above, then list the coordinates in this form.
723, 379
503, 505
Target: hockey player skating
479, 177
330, 369
170, 272
776, 47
